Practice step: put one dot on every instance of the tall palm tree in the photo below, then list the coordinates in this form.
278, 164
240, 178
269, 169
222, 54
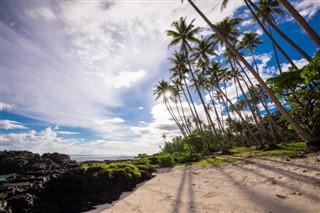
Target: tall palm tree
179, 72
202, 52
305, 134
228, 28
183, 34
302, 22
164, 89
249, 41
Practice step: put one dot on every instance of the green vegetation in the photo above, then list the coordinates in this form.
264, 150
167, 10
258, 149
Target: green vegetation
241, 153
102, 168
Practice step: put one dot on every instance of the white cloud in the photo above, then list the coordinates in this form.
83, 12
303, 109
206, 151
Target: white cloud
8, 124
6, 107
42, 12
47, 140
115, 120
299, 63
67, 133
307, 8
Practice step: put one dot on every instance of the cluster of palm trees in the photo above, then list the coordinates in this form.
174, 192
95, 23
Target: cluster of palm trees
198, 74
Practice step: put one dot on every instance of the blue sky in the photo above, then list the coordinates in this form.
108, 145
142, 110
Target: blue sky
77, 76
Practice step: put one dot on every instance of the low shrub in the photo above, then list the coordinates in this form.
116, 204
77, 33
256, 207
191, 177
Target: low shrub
165, 160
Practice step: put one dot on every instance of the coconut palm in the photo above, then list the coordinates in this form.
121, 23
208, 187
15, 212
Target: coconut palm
202, 52
178, 72
249, 41
183, 34
164, 89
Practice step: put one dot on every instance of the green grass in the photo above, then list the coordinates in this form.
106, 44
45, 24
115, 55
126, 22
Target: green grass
240, 152
217, 161
287, 149
284, 149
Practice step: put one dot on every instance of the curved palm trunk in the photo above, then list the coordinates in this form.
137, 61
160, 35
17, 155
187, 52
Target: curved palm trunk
183, 124
267, 33
201, 99
240, 116
302, 22
284, 36
312, 140
272, 123
197, 119
184, 117
174, 118
216, 112
275, 52
261, 130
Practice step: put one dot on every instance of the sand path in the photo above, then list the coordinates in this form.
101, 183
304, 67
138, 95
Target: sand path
253, 185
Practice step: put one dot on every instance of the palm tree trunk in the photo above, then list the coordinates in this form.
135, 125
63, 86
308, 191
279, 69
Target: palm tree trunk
267, 33
174, 118
184, 115
302, 22
275, 52
272, 123
240, 116
284, 36
216, 112
197, 119
311, 140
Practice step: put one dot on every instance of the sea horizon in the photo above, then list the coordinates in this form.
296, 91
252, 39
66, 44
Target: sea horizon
81, 158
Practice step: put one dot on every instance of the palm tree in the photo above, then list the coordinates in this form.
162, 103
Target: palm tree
164, 89
184, 34
305, 134
179, 72
250, 41
202, 52
302, 22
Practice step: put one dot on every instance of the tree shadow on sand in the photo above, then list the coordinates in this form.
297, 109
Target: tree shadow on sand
186, 186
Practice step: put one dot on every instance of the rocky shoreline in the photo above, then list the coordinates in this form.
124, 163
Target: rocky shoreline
54, 183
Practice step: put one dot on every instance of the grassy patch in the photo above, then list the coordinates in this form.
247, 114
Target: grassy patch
217, 161
283, 149
240, 152
287, 149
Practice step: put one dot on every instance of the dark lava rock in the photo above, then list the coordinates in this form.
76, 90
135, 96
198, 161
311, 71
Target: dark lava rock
56, 157
52, 183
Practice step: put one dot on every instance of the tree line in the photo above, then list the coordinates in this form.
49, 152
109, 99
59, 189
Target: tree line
199, 74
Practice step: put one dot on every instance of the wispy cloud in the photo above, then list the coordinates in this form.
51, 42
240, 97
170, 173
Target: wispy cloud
8, 124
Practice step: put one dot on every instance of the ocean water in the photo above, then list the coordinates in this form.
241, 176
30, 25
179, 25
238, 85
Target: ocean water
81, 158
4, 177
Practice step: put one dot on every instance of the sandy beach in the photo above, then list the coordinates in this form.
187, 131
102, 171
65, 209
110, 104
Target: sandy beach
261, 184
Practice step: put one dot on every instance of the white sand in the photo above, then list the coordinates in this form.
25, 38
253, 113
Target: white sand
258, 185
